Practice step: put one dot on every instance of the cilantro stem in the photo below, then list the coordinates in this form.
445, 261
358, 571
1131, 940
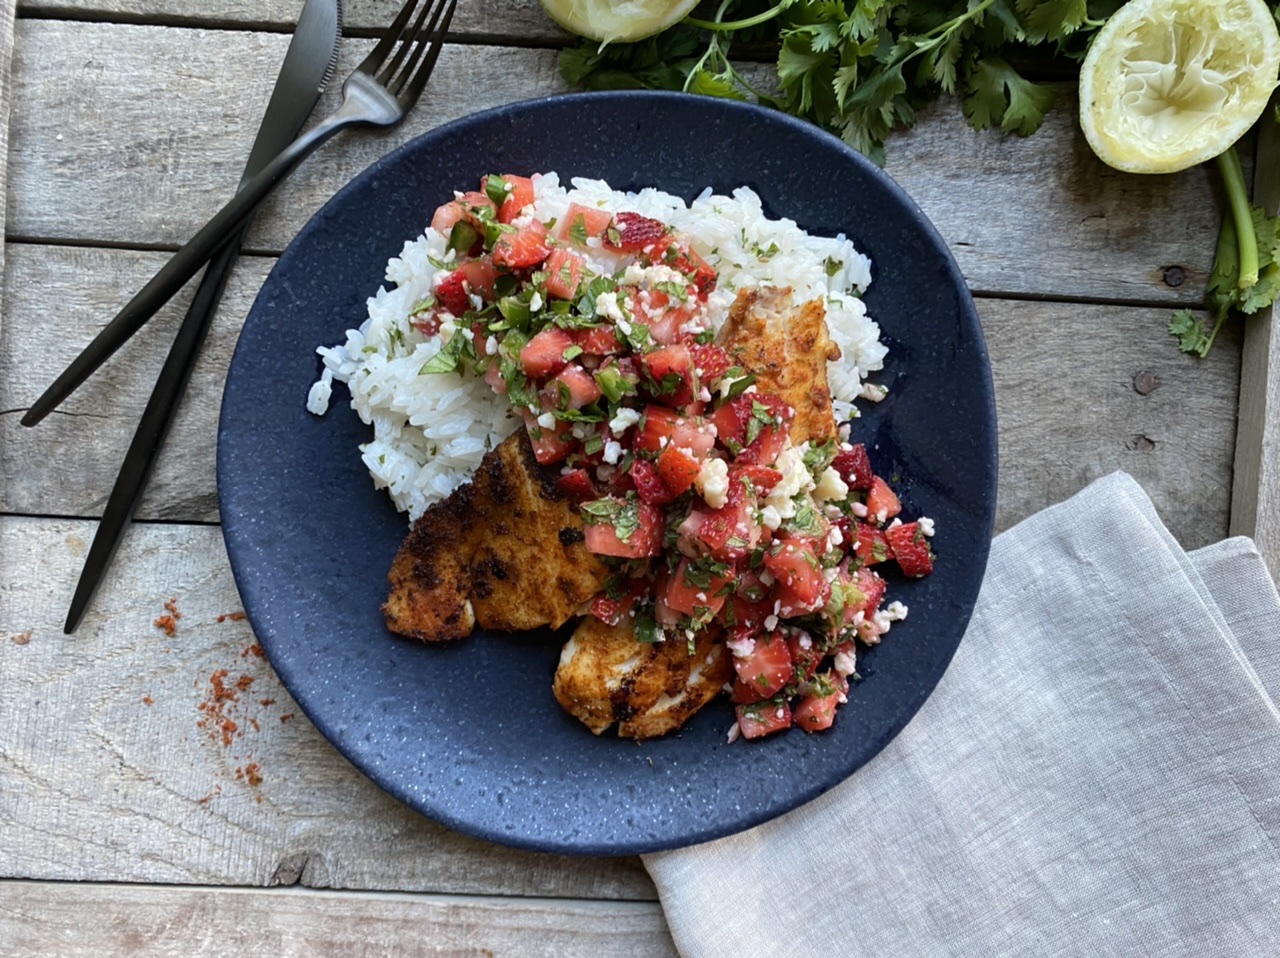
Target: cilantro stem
1208, 343
1238, 197
733, 25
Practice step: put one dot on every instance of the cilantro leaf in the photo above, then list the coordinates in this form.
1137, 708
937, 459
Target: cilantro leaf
1189, 332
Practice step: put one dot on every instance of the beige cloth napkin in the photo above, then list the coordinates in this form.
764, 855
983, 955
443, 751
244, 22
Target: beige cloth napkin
1098, 773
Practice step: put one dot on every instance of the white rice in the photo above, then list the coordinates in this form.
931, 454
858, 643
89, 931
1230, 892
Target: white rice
431, 431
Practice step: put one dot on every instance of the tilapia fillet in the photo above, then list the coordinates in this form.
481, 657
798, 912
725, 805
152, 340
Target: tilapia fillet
788, 348
649, 689
504, 551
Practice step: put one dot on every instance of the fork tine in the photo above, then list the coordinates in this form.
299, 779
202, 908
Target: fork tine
378, 55
407, 40
429, 42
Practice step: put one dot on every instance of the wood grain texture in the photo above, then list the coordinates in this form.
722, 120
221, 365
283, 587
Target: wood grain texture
93, 920
1065, 374
116, 764
7, 10
136, 135
520, 21
1255, 494
98, 157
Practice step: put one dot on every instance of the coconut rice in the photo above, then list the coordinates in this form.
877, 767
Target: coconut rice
431, 430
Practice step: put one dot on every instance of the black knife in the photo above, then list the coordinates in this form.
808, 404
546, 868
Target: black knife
308, 65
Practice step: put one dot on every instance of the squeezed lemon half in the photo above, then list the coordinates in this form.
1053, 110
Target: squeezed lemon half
617, 21
1168, 84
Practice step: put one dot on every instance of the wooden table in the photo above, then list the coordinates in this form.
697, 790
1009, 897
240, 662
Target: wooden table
128, 823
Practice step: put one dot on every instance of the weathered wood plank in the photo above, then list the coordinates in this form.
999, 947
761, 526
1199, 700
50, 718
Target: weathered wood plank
97, 157
137, 135
7, 8
115, 764
515, 19
88, 921
1255, 495
1065, 382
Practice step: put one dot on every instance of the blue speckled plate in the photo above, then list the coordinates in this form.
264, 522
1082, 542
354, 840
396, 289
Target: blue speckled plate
469, 734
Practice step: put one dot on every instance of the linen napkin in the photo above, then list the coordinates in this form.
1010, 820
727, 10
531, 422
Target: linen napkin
1098, 773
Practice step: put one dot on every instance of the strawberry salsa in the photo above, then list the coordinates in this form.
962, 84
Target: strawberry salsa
682, 468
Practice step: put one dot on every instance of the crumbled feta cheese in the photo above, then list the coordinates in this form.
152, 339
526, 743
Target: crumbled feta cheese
926, 525
743, 648
734, 732
612, 452
872, 392
770, 622
795, 480
450, 255
491, 346
766, 578
624, 419
607, 306
846, 662
535, 302
858, 509
579, 431
830, 487
547, 421
770, 517
475, 301
894, 524
895, 611
804, 641
712, 482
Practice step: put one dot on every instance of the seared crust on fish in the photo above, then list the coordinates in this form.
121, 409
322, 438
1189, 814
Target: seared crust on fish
607, 676
505, 551
648, 688
788, 348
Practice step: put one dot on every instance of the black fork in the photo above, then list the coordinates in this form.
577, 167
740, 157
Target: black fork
379, 92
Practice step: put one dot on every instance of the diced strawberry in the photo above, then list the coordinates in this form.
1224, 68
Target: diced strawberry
750, 603
577, 486
765, 671
549, 445
467, 208
730, 532
854, 467
882, 503
677, 255
523, 248
872, 587
795, 565
644, 540
582, 222
767, 444
684, 595
806, 656
519, 196
480, 274
678, 469
817, 708
670, 374
544, 354
451, 292
711, 362
762, 478
661, 426
911, 549
571, 388
611, 610
596, 340
564, 273
757, 719
649, 485
634, 232
870, 544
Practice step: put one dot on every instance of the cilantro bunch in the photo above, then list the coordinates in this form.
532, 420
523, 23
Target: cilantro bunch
1246, 264
860, 68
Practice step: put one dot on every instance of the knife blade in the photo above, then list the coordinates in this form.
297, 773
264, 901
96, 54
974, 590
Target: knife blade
308, 66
